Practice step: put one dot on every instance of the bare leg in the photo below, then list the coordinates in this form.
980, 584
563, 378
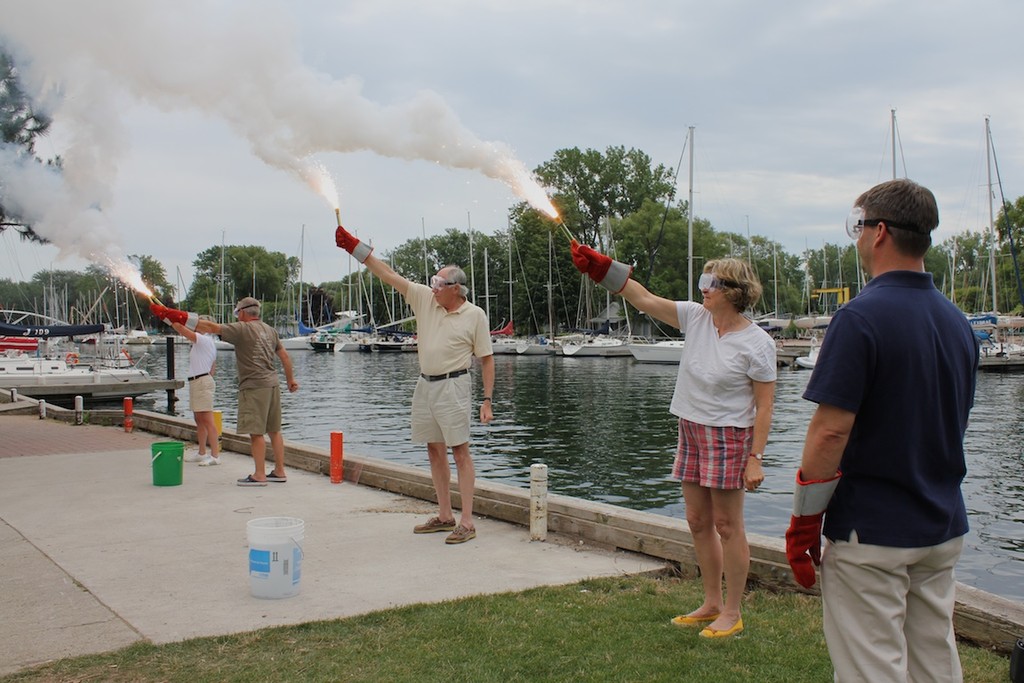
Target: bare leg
259, 456
706, 544
441, 474
206, 431
277, 445
467, 482
728, 514
201, 430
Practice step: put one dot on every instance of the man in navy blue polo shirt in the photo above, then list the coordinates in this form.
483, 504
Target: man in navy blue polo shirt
883, 460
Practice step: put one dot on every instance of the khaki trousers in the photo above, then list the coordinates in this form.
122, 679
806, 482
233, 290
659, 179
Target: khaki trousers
888, 612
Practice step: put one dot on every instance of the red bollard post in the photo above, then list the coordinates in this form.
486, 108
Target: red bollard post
337, 457
129, 423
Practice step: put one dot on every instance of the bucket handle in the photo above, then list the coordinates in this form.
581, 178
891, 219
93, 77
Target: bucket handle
156, 454
302, 555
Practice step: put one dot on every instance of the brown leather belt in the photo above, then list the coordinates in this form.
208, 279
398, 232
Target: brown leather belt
450, 375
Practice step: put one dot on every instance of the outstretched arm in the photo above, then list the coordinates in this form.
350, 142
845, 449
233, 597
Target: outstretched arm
615, 277
184, 331
653, 305
364, 254
187, 321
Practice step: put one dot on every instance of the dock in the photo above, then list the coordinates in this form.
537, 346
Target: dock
94, 392
1002, 363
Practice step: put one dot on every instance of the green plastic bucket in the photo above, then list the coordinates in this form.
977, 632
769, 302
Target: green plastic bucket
168, 463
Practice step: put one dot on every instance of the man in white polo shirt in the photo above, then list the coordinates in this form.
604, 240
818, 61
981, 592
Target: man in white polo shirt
449, 332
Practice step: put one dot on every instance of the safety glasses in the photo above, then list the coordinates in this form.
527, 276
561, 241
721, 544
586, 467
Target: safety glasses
710, 282
438, 283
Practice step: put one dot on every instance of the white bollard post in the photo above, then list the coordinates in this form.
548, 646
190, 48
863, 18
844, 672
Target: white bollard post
14, 395
78, 410
538, 502
42, 409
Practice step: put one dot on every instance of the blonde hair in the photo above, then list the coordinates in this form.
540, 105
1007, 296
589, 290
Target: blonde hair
739, 281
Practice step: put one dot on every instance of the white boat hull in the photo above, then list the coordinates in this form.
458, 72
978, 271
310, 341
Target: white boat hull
666, 352
598, 347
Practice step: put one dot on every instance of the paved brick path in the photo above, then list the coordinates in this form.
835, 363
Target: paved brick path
28, 435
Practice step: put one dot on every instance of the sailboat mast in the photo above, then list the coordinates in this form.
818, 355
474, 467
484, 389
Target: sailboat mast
991, 215
472, 270
689, 229
302, 254
487, 289
551, 296
426, 270
775, 276
221, 293
892, 126
510, 316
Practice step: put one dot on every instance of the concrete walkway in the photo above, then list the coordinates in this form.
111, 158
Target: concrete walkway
94, 557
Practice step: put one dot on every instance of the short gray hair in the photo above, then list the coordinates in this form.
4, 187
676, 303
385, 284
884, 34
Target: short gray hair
457, 274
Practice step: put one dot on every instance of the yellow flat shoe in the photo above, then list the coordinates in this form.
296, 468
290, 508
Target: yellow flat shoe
712, 633
684, 620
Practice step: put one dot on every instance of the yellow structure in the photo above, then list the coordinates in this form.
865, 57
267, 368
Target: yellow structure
842, 294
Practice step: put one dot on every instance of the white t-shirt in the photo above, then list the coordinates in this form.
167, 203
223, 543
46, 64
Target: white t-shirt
714, 386
201, 356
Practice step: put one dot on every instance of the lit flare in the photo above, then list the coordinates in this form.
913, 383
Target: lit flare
317, 177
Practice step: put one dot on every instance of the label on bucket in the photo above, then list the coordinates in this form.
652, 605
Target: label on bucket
259, 562
275, 570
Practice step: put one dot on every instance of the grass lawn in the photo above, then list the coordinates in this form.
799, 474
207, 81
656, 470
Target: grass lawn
598, 630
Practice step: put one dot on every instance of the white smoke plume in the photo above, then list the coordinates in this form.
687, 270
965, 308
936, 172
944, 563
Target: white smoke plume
234, 59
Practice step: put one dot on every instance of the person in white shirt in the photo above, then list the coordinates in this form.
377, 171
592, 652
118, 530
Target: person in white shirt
202, 357
723, 399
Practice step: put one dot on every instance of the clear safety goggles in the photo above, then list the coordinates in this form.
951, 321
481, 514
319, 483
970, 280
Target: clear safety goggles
438, 283
710, 281
855, 223
239, 310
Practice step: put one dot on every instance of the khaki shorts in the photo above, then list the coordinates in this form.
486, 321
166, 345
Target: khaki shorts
200, 394
259, 410
441, 411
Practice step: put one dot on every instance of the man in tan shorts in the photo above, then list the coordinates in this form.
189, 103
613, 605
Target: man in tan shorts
450, 331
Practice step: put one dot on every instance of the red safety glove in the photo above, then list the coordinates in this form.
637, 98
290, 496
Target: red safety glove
803, 538
347, 241
605, 271
173, 315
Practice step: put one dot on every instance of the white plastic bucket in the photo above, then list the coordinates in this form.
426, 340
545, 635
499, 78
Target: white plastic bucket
275, 556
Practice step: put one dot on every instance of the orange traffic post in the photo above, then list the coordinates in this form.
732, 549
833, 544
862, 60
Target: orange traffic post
129, 422
337, 457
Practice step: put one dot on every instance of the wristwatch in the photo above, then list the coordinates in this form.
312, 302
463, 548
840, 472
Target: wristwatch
758, 456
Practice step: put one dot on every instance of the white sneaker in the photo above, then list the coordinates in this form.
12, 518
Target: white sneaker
191, 456
209, 460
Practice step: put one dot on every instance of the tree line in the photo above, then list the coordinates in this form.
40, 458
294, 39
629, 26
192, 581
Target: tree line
617, 201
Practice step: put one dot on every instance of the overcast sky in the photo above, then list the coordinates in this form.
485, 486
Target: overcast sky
186, 123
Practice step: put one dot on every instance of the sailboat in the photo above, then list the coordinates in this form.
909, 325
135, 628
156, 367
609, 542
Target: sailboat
300, 342
541, 345
503, 339
50, 373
